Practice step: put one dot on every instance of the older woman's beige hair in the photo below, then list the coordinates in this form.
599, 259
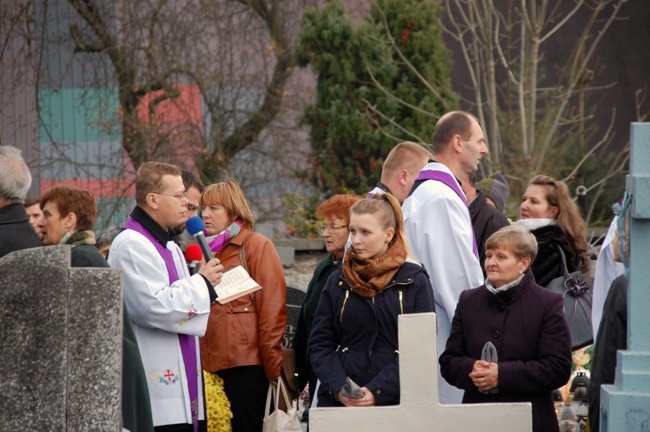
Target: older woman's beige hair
515, 238
229, 195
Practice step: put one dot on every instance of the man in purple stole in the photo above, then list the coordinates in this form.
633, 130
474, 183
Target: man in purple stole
438, 224
168, 307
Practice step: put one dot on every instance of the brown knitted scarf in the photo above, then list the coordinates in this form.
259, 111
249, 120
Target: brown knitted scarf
367, 277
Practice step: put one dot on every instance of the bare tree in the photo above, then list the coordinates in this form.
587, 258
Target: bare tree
221, 69
534, 111
238, 53
19, 62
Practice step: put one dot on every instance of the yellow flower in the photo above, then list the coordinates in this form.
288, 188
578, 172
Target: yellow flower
217, 404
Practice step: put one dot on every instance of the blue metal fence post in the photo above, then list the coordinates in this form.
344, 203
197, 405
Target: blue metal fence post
625, 406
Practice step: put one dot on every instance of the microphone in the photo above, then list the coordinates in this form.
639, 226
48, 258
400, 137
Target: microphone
193, 256
195, 227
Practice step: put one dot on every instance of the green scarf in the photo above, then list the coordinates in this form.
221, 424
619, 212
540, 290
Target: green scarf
78, 237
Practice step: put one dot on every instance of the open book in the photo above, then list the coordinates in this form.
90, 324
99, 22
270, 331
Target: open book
235, 283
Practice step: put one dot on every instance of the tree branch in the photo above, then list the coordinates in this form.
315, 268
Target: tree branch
273, 97
401, 101
408, 64
603, 140
391, 121
80, 45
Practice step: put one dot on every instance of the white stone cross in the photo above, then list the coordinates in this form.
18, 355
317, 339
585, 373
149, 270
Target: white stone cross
419, 409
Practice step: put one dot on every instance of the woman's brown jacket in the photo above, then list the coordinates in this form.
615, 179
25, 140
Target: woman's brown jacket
249, 330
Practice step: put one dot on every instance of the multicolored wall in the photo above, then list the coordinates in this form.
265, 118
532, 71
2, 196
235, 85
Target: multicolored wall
79, 134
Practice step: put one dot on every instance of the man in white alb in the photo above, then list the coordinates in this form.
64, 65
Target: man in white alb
438, 224
168, 307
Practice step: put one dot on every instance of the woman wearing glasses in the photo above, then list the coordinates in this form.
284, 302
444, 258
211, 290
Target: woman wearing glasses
336, 214
353, 344
242, 341
550, 214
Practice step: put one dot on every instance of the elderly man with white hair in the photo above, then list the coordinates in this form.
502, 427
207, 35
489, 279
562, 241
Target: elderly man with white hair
15, 179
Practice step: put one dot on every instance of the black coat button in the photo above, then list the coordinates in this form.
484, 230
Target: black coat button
496, 334
501, 308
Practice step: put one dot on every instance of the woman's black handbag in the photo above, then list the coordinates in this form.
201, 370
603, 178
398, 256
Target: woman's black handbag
577, 304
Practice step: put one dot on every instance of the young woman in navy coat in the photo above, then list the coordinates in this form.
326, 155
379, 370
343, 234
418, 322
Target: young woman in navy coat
354, 335
524, 322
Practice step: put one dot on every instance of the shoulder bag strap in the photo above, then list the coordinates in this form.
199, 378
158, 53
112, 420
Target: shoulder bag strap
242, 262
242, 253
563, 256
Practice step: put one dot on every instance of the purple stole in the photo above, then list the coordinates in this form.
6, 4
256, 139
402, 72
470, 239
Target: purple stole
450, 181
187, 342
372, 192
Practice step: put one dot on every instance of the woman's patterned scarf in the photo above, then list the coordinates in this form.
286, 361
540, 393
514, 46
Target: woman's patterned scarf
78, 237
217, 242
368, 277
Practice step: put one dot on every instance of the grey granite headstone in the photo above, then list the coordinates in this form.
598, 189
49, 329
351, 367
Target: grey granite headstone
265, 229
287, 255
295, 296
61, 345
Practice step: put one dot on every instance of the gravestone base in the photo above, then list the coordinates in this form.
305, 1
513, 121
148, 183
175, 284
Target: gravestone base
624, 411
419, 410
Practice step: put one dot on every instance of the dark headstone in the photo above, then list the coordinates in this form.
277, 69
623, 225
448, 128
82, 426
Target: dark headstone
295, 296
61, 344
95, 349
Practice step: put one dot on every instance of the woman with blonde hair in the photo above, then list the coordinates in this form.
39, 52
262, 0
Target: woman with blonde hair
242, 341
548, 212
353, 344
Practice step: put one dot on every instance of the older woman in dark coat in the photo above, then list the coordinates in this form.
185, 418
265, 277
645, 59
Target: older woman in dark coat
518, 320
335, 212
68, 218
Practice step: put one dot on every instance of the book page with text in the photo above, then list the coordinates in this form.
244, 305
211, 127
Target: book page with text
235, 283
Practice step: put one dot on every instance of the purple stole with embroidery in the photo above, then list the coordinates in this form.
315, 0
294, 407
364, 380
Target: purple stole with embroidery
187, 342
450, 181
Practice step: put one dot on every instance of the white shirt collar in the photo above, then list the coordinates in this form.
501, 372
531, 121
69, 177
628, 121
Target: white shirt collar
502, 288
